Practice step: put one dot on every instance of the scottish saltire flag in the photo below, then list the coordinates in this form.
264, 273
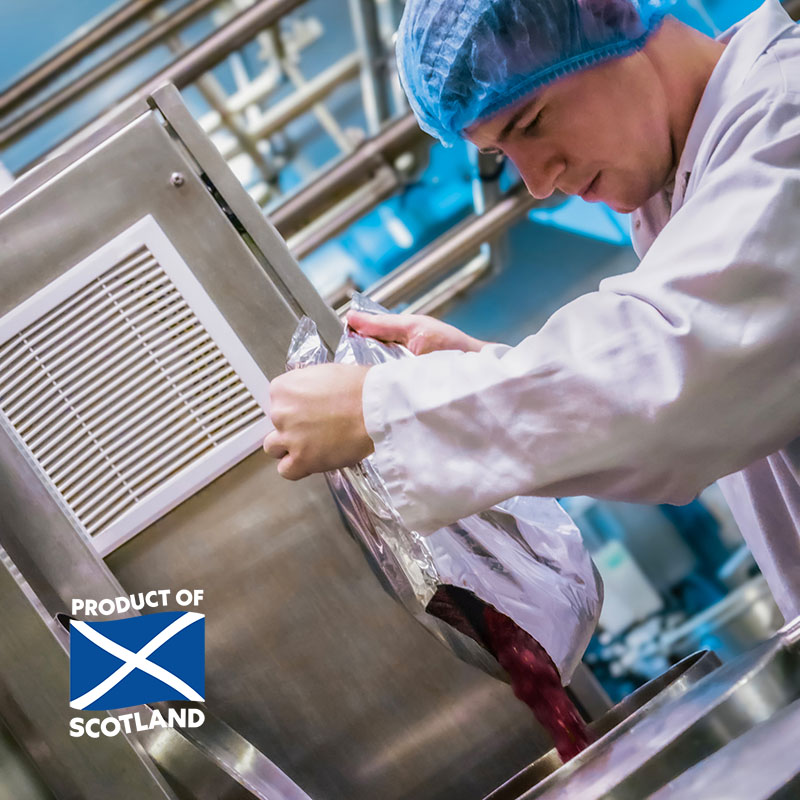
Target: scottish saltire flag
128, 662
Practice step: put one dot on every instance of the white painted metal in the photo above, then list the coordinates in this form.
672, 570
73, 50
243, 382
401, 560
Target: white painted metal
127, 386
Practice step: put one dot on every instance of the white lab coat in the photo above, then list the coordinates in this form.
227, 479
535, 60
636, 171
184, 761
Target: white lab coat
665, 379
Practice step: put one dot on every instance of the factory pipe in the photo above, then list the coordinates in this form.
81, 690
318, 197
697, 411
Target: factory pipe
234, 34
385, 183
434, 301
454, 247
77, 88
74, 50
374, 73
325, 190
300, 101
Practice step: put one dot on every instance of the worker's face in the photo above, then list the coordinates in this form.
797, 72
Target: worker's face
602, 133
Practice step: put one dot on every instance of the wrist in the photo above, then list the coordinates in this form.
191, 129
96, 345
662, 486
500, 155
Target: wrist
366, 444
474, 345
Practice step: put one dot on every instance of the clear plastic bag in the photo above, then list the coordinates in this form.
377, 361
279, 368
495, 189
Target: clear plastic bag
525, 557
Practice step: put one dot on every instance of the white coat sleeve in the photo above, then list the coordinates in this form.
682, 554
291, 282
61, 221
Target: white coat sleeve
666, 378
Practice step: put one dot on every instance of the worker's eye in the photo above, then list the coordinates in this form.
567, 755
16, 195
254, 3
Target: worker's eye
531, 128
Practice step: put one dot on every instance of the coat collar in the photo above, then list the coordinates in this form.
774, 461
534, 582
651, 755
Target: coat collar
744, 43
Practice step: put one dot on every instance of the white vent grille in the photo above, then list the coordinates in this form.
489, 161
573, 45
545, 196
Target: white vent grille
121, 393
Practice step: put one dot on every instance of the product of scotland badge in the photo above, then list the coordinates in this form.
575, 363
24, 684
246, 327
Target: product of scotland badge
128, 662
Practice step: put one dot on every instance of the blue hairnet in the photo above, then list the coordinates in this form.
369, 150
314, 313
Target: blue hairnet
464, 60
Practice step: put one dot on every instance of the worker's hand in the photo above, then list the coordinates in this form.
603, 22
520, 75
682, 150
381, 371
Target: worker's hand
419, 333
319, 424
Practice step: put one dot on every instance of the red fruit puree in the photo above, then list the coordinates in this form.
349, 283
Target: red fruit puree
534, 677
535, 681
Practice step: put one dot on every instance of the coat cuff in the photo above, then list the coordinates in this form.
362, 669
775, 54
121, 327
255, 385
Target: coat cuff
378, 396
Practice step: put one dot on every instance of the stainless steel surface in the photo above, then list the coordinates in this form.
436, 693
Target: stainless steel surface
217, 98
588, 693
617, 722
743, 619
762, 764
23, 123
59, 561
203, 764
34, 687
310, 661
53, 563
452, 248
665, 743
20, 780
263, 241
216, 762
307, 658
83, 42
344, 177
135, 168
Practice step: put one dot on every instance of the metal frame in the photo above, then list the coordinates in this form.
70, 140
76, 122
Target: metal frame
37, 530
374, 57
371, 62
281, 267
342, 178
311, 93
35, 708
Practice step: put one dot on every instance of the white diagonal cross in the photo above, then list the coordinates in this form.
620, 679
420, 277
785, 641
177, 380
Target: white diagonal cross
136, 660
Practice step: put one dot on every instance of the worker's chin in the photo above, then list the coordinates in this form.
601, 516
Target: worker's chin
625, 202
622, 207
626, 196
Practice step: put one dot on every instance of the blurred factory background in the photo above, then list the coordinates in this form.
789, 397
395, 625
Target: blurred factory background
302, 101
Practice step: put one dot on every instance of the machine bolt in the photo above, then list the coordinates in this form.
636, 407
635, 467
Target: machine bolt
177, 179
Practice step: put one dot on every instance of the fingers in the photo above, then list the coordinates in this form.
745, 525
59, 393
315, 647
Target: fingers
289, 468
273, 446
387, 327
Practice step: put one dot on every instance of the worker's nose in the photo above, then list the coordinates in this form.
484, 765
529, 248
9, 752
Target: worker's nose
541, 175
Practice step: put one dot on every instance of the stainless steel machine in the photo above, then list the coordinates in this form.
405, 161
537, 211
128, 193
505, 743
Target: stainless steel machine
145, 302
699, 731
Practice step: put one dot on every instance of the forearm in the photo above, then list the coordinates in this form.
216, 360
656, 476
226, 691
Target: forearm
610, 399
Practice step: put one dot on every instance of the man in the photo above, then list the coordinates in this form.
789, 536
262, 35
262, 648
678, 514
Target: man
686, 370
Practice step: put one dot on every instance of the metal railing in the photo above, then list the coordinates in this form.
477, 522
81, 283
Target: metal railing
182, 71
17, 127
81, 44
333, 199
336, 182
438, 273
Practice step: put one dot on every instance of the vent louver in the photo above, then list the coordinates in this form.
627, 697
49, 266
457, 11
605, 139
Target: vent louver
122, 394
